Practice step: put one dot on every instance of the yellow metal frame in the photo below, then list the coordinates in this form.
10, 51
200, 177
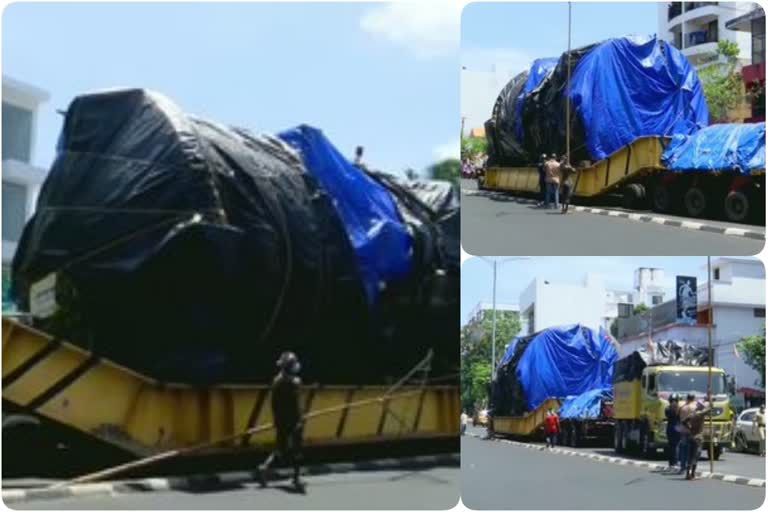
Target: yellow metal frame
145, 416
526, 424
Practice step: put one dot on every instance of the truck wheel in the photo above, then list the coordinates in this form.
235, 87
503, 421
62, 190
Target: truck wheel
662, 199
736, 206
574, 437
633, 196
717, 451
696, 202
646, 444
741, 443
618, 441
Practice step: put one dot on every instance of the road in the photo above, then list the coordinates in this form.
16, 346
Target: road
431, 488
501, 476
505, 225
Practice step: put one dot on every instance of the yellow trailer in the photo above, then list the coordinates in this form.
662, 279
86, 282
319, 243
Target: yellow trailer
526, 425
56, 381
636, 172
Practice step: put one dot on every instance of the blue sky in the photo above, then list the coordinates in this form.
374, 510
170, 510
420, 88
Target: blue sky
514, 276
352, 70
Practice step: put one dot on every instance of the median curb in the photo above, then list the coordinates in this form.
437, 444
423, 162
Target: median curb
736, 479
208, 481
638, 217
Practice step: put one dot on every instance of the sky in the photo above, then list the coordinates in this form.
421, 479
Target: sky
492, 34
513, 276
378, 75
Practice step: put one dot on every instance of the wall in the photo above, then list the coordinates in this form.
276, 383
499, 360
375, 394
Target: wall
559, 304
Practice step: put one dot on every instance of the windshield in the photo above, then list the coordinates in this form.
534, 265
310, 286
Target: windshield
691, 382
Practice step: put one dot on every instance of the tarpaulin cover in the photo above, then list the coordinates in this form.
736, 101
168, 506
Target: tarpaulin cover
669, 352
587, 405
556, 362
380, 239
735, 147
500, 129
621, 89
539, 70
196, 252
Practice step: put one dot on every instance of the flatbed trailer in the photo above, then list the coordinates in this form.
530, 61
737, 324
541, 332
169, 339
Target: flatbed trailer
530, 424
636, 172
53, 382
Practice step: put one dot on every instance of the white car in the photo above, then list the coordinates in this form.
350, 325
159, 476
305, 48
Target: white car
745, 437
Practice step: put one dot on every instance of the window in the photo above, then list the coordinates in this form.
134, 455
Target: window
17, 133
759, 312
747, 416
712, 33
14, 210
758, 40
656, 299
716, 274
652, 384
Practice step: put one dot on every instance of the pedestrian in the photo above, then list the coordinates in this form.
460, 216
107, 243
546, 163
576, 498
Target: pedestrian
552, 177
567, 178
684, 439
464, 420
695, 425
551, 427
287, 417
672, 413
542, 180
758, 427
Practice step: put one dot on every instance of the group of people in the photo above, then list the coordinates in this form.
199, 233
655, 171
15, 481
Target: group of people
556, 182
685, 433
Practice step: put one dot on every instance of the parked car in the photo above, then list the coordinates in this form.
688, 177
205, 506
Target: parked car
745, 436
480, 418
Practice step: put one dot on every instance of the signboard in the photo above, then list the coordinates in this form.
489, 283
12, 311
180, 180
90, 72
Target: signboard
42, 297
685, 287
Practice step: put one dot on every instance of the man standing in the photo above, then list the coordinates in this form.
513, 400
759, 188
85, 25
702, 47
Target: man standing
464, 419
673, 436
551, 427
695, 424
684, 441
758, 426
552, 176
567, 177
542, 180
287, 417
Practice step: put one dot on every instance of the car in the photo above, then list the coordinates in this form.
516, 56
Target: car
745, 437
480, 418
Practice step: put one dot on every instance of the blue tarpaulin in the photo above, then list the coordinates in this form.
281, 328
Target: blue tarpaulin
380, 239
629, 87
539, 69
736, 147
586, 405
564, 361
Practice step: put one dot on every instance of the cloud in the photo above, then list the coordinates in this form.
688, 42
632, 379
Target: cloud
503, 61
448, 150
427, 28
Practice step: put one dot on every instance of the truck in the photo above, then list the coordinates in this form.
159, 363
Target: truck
643, 383
531, 380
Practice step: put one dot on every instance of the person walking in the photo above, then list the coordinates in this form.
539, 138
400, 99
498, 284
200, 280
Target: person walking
758, 427
567, 179
695, 424
287, 417
672, 413
542, 180
684, 439
552, 177
551, 427
464, 420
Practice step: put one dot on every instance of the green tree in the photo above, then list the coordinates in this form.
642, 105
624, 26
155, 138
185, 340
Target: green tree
472, 147
640, 309
476, 354
446, 170
752, 349
720, 81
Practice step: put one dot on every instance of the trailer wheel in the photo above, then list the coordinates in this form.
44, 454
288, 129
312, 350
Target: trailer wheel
736, 206
633, 196
662, 199
696, 203
618, 439
574, 436
646, 443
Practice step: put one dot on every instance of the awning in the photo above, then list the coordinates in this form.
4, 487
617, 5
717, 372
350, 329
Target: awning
751, 392
744, 22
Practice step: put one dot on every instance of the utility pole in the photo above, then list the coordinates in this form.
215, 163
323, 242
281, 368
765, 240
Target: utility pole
493, 329
709, 363
568, 92
463, 118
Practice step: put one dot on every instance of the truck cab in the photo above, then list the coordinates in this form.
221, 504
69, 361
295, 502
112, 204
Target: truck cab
640, 404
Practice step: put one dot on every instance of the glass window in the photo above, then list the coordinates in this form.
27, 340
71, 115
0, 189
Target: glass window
691, 382
747, 416
17, 133
716, 274
14, 210
656, 299
759, 312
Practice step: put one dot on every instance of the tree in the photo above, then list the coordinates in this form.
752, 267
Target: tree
752, 348
640, 309
472, 147
720, 81
476, 354
446, 170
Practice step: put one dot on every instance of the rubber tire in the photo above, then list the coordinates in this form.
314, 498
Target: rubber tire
696, 202
741, 443
633, 196
618, 441
662, 199
574, 437
717, 451
645, 444
736, 207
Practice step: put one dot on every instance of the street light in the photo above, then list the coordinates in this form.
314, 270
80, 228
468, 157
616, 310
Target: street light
494, 263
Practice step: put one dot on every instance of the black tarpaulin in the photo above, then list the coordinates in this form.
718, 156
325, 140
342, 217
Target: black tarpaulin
669, 352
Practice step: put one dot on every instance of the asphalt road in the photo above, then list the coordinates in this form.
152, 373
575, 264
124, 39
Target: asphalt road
433, 488
501, 476
506, 226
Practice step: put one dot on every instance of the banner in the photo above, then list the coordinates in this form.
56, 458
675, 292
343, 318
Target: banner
686, 299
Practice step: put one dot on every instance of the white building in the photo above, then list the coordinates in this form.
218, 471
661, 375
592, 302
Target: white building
696, 27
738, 308
21, 179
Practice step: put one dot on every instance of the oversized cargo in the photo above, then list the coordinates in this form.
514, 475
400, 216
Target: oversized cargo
196, 252
557, 362
620, 89
739, 148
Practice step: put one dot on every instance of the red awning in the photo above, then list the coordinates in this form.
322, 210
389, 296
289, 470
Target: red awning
752, 392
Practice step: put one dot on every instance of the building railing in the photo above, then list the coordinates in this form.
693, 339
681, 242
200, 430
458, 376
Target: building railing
676, 8
701, 37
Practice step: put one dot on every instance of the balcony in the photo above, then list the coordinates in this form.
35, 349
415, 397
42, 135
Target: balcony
674, 9
700, 37
690, 6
